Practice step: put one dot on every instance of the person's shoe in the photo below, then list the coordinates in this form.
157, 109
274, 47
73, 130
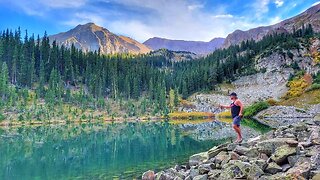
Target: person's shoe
239, 141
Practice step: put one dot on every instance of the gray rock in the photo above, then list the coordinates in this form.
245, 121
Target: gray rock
255, 172
285, 167
281, 153
292, 143
262, 164
204, 168
252, 153
214, 174
216, 150
201, 177
222, 156
194, 172
198, 158
301, 169
241, 150
235, 169
234, 156
269, 146
231, 146
273, 168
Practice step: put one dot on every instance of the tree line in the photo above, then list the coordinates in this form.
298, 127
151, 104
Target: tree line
66, 74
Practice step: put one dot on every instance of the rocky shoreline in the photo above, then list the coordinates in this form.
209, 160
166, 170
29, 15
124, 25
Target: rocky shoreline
276, 116
289, 152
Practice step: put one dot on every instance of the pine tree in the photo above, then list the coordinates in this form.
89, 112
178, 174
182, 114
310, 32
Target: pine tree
4, 81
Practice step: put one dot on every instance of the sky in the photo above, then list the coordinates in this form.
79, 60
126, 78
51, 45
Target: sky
200, 20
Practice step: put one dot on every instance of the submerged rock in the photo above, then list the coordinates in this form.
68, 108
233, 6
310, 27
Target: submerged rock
149, 175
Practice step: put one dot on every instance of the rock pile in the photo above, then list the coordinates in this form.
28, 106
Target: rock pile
290, 152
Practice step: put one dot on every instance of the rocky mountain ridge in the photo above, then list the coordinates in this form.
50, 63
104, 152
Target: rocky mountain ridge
310, 16
197, 47
90, 37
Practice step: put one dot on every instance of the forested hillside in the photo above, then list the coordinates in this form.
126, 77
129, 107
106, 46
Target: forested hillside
39, 80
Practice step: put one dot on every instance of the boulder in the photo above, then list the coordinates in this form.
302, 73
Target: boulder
235, 169
269, 146
301, 168
252, 153
263, 156
234, 156
162, 176
292, 143
214, 174
241, 150
293, 159
273, 168
281, 154
315, 175
204, 168
222, 156
201, 177
231, 146
216, 150
149, 175
262, 164
198, 158
285, 167
194, 172
255, 172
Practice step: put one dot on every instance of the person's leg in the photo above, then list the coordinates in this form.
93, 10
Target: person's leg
238, 131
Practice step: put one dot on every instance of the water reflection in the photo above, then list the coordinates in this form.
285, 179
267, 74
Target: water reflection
99, 151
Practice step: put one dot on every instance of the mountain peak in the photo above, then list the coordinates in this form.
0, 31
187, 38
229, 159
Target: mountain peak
91, 37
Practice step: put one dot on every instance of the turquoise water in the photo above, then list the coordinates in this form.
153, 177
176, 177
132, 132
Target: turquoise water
99, 151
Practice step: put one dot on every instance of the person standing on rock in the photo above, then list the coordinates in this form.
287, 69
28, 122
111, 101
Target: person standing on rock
236, 111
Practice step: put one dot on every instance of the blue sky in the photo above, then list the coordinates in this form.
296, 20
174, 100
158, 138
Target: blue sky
143, 19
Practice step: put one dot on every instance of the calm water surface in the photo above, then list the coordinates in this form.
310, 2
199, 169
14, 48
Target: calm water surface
104, 151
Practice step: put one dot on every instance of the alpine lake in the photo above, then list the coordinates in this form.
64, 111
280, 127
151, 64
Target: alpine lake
110, 150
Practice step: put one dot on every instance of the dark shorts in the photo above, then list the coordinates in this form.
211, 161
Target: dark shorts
236, 120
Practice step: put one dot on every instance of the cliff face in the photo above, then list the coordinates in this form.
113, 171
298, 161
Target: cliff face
310, 16
90, 37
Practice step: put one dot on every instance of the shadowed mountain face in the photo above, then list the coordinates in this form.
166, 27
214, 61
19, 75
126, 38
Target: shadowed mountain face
90, 37
310, 16
198, 47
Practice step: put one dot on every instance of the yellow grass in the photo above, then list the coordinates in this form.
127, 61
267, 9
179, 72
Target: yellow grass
224, 114
307, 98
190, 115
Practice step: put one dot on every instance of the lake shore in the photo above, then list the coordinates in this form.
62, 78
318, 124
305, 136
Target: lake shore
291, 151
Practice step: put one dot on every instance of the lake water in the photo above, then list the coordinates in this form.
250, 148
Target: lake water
107, 150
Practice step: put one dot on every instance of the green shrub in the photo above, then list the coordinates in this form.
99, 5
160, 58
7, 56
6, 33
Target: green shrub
2, 117
314, 87
252, 110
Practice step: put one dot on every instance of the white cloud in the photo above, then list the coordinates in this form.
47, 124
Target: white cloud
179, 19
83, 18
279, 3
261, 7
316, 3
223, 16
195, 6
275, 20
63, 3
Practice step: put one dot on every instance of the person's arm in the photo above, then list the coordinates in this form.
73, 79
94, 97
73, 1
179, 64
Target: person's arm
239, 103
224, 106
